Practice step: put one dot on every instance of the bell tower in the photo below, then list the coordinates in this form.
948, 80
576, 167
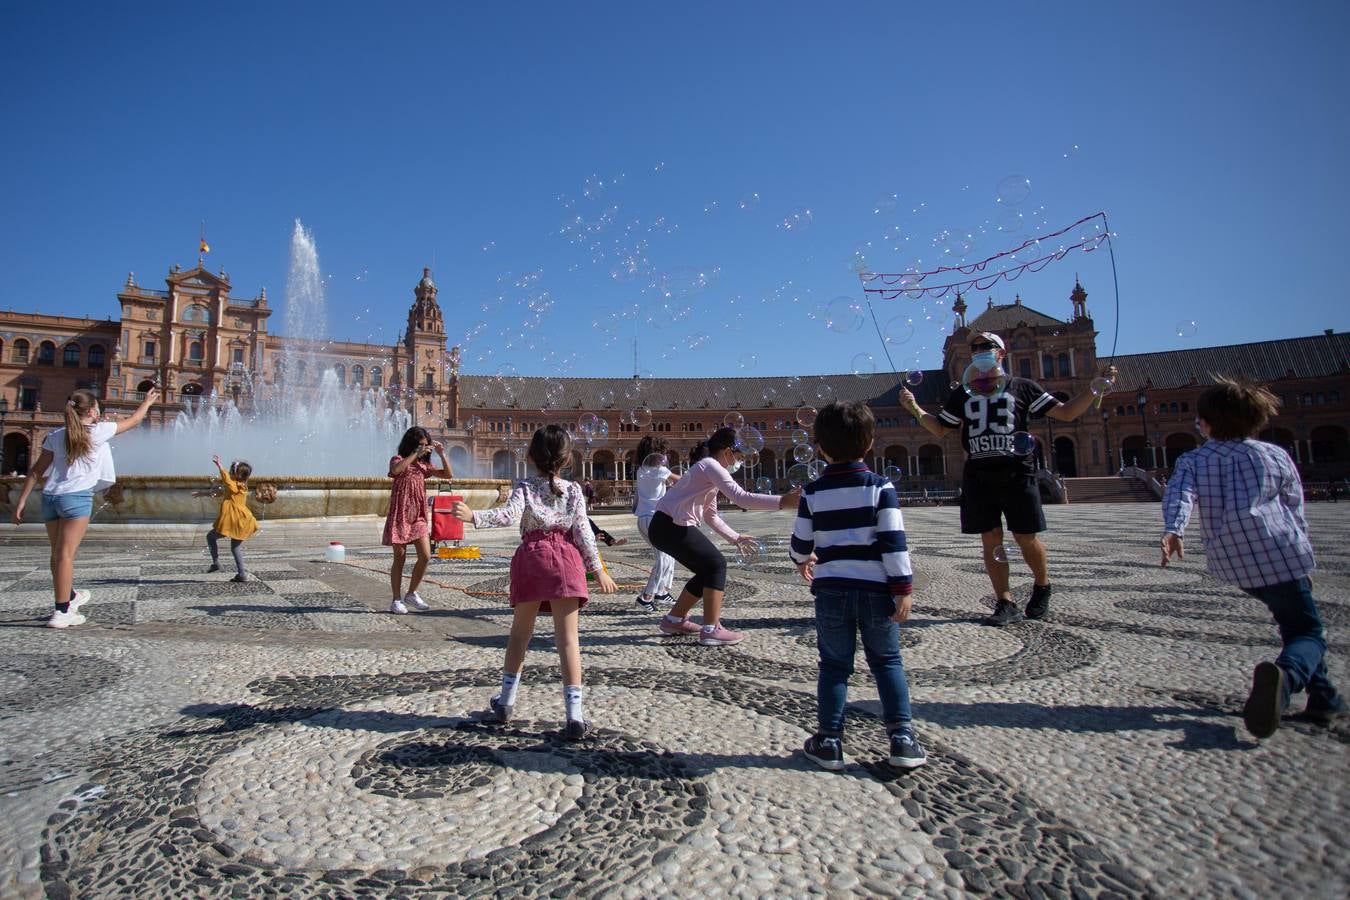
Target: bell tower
424, 361
1078, 297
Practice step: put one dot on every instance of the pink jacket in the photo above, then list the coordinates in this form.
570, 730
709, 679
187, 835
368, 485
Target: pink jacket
693, 499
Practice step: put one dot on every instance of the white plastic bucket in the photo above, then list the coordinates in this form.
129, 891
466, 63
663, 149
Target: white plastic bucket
335, 553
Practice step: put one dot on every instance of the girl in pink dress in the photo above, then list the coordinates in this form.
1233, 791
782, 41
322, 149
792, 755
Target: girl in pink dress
407, 522
548, 570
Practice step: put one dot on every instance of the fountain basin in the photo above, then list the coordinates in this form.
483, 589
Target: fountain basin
168, 498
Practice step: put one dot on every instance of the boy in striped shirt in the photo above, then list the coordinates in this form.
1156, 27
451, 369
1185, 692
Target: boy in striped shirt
849, 544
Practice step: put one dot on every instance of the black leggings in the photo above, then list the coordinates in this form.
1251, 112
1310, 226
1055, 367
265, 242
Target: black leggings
691, 549
212, 536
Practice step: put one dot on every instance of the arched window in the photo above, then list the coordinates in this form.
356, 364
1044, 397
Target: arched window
1172, 407
1120, 410
1185, 406
70, 354
1335, 396
358, 376
96, 356
20, 352
1024, 367
376, 377
1047, 366
195, 351
1129, 410
341, 372
196, 313
1307, 398
46, 354
1064, 370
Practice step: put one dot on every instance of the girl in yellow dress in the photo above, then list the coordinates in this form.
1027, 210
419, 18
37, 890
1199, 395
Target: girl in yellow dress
235, 521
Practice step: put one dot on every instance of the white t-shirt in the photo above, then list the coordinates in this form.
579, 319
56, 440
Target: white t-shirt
650, 487
93, 472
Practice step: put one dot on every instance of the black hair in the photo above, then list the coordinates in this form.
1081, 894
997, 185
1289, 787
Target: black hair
411, 438
719, 440
240, 470
650, 443
844, 430
551, 451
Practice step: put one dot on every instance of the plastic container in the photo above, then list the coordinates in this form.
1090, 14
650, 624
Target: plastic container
335, 553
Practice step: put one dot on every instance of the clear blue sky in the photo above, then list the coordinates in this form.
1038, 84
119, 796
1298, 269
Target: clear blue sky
404, 135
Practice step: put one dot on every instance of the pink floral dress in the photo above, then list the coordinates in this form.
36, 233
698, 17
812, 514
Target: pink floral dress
407, 521
557, 547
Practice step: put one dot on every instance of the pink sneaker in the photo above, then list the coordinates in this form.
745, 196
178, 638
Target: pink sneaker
720, 636
684, 626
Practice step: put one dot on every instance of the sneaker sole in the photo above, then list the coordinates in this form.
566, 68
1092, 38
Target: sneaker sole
1261, 713
717, 642
676, 633
81, 621
1035, 613
999, 623
905, 762
829, 765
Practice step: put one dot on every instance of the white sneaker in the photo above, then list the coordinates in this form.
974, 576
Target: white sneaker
65, 619
81, 598
414, 599
397, 608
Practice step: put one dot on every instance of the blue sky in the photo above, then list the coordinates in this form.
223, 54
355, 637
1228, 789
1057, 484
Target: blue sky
468, 138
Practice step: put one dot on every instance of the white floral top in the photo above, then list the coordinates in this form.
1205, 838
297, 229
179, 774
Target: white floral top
533, 504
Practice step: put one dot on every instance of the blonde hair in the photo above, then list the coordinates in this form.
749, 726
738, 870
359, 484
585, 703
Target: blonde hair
78, 406
1236, 408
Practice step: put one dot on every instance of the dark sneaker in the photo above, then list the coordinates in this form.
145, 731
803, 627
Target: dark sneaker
1265, 704
1004, 614
906, 752
241, 577
498, 711
214, 567
1039, 602
825, 751
577, 729
645, 604
665, 600
1320, 713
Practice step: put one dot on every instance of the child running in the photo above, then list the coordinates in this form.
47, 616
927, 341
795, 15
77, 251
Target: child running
407, 522
849, 544
674, 530
235, 520
653, 477
81, 463
1251, 507
548, 571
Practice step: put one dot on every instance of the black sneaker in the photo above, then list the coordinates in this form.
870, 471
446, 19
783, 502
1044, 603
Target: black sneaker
906, 752
1004, 614
241, 577
665, 600
825, 751
645, 604
215, 567
1265, 704
498, 711
577, 729
1039, 602
1324, 714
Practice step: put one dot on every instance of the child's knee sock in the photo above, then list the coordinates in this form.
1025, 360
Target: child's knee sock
237, 551
510, 686
572, 699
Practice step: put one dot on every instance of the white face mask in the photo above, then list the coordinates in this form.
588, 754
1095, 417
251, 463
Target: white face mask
735, 467
985, 359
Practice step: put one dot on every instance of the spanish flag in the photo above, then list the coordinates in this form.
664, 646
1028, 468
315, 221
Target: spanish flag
204, 247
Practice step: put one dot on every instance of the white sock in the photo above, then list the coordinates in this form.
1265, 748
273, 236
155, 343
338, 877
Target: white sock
572, 698
510, 686
676, 619
710, 628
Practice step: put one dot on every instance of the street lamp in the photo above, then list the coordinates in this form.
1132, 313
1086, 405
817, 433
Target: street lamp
1106, 426
1143, 411
4, 409
1050, 450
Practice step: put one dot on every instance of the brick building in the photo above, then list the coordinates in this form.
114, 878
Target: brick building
198, 340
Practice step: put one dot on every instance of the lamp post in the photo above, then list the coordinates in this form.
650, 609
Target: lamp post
1142, 400
4, 410
1106, 427
1050, 449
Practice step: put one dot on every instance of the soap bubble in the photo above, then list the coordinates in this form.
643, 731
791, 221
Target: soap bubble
795, 220
1000, 554
801, 436
914, 377
751, 458
803, 453
733, 419
864, 365
824, 391
607, 397
1187, 328
1023, 443
806, 416
1012, 190
816, 468
898, 330
1100, 387
892, 473
769, 395
984, 379
749, 201
885, 204
794, 383
799, 475
750, 551
747, 361
654, 461
748, 438
587, 423
640, 416
843, 315
763, 485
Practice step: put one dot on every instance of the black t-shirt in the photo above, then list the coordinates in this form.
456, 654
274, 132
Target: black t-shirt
988, 423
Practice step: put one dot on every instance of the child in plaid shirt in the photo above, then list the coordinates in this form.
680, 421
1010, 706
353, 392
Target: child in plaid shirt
1251, 506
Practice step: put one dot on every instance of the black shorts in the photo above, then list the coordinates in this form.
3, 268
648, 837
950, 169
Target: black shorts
986, 497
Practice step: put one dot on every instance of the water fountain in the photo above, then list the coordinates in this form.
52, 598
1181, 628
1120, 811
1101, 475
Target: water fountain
317, 448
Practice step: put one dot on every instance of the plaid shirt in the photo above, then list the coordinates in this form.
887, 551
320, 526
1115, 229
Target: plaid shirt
1251, 511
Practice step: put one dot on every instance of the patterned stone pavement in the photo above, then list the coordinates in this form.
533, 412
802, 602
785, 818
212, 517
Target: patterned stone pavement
201, 737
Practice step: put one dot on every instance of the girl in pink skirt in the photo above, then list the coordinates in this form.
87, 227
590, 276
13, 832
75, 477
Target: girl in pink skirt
548, 570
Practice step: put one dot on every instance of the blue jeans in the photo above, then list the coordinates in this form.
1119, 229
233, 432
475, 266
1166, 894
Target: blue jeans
840, 615
1303, 657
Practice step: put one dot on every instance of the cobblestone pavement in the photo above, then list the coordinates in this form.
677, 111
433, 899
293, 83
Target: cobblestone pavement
200, 737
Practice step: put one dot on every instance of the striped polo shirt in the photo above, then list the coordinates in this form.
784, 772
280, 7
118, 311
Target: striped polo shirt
850, 518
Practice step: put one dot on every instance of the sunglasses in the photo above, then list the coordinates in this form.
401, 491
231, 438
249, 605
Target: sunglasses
983, 345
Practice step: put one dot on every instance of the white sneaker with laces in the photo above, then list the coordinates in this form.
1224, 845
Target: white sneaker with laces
414, 599
80, 599
65, 619
397, 607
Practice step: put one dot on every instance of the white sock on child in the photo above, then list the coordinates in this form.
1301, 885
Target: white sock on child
510, 685
572, 698
674, 619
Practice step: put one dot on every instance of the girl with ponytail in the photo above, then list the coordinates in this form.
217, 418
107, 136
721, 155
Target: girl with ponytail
80, 463
548, 570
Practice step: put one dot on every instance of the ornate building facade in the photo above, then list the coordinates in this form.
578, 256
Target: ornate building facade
197, 340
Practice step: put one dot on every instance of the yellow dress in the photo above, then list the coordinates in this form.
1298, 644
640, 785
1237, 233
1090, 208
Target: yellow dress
235, 521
